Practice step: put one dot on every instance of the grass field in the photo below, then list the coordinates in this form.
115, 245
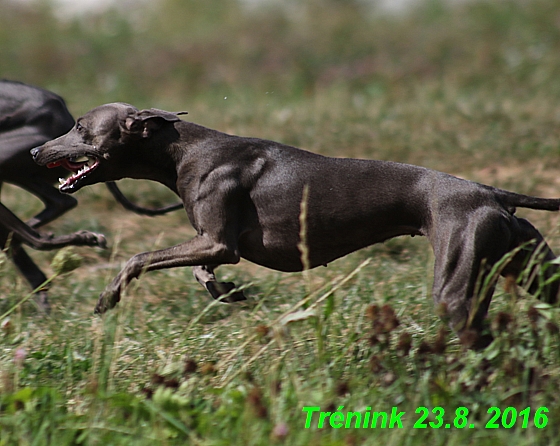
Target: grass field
471, 89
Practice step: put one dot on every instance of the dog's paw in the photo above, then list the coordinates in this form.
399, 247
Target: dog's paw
101, 241
218, 289
93, 239
107, 300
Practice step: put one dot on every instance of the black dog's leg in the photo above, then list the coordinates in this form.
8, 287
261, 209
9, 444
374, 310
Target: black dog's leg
56, 203
205, 276
28, 235
27, 267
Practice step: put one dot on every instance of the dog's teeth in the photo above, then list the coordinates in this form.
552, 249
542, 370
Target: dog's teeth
81, 159
61, 181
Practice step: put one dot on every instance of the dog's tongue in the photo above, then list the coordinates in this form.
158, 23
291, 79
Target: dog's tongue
54, 164
67, 164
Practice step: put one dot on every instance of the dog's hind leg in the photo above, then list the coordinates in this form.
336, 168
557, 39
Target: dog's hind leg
205, 276
465, 253
535, 256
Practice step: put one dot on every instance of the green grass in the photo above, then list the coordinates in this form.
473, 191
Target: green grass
470, 89
171, 366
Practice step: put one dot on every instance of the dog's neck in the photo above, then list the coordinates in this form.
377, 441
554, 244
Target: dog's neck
155, 165
168, 151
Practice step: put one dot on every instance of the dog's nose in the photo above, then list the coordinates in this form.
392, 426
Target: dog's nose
35, 152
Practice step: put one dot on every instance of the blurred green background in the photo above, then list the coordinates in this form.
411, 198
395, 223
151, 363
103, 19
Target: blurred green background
181, 48
452, 85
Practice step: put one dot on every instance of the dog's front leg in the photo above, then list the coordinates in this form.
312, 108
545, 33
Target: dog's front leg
31, 237
201, 250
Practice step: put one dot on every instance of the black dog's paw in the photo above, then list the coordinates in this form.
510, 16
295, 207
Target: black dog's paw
218, 289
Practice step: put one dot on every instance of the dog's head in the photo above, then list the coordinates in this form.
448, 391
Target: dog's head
94, 150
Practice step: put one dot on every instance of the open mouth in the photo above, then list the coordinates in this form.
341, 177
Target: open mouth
82, 166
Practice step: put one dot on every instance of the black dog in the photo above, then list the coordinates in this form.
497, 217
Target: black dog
243, 197
30, 116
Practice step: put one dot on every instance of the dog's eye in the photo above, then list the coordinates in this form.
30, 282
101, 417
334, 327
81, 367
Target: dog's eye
79, 127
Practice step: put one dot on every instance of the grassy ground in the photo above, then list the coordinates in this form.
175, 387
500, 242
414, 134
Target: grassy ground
471, 91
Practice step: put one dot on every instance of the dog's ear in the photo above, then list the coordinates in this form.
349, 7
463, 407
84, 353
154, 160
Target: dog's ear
145, 122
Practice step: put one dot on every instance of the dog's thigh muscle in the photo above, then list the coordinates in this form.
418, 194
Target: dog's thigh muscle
464, 256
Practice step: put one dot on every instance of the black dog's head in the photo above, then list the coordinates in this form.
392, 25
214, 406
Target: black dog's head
94, 149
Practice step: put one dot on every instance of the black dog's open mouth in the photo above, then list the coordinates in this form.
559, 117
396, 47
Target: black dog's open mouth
82, 166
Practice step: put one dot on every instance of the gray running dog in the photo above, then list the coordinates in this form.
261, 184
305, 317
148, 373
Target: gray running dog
243, 197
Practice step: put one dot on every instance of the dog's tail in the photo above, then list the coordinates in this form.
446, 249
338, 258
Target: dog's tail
526, 201
127, 204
